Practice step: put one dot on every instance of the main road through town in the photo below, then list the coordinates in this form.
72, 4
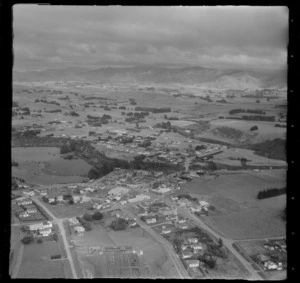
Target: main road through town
228, 243
61, 227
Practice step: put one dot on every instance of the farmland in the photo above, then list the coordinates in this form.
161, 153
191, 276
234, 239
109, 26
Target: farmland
238, 213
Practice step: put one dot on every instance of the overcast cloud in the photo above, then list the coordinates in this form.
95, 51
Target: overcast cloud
231, 37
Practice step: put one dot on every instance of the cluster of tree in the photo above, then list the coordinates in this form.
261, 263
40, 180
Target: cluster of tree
153, 110
25, 110
65, 148
90, 217
200, 147
207, 98
273, 192
122, 107
254, 118
132, 101
221, 101
107, 108
119, 224
73, 113
254, 128
64, 97
46, 101
186, 196
15, 104
14, 163
253, 111
27, 240
85, 224
274, 149
209, 260
164, 125
53, 111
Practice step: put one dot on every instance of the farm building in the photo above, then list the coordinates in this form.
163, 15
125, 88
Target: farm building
40, 225
150, 220
79, 229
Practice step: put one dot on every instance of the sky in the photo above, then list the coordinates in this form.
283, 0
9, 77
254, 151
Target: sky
244, 37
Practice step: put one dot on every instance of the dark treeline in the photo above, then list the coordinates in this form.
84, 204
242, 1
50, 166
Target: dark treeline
153, 110
254, 118
273, 192
254, 111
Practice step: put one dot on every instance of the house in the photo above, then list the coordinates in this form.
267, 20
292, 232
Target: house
132, 223
150, 220
120, 214
168, 211
172, 217
192, 240
97, 206
269, 265
51, 198
183, 226
204, 203
197, 246
43, 192
40, 225
181, 220
192, 263
263, 258
23, 214
60, 198
31, 210
196, 208
44, 232
76, 199
24, 202
166, 231
85, 199
123, 202
73, 221
28, 193
187, 254
79, 229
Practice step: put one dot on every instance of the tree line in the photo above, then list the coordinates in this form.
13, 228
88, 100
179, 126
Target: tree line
272, 192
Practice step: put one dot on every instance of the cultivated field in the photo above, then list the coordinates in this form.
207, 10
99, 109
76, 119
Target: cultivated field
154, 254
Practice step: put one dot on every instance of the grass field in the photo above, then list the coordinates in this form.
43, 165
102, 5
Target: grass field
238, 213
36, 264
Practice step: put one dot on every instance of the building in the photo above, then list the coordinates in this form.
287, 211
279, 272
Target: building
192, 240
187, 254
192, 263
28, 193
204, 203
60, 198
150, 220
76, 199
79, 229
40, 225
44, 232
168, 211
73, 221
166, 231
23, 214
24, 202
183, 226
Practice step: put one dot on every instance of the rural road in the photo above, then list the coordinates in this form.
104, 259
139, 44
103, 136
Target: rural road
173, 256
61, 227
18, 262
228, 243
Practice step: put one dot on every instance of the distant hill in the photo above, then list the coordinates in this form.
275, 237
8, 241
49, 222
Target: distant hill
206, 77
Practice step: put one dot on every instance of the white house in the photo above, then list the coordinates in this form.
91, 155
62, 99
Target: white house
79, 229
60, 198
187, 254
166, 231
193, 240
73, 221
23, 214
24, 202
40, 225
28, 193
192, 262
150, 220
45, 232
76, 199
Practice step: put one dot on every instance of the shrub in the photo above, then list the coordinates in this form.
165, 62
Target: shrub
97, 215
27, 240
55, 237
88, 217
39, 241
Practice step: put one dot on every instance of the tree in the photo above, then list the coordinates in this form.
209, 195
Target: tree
55, 237
71, 201
93, 174
254, 128
39, 240
27, 240
88, 217
257, 101
97, 215
220, 242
